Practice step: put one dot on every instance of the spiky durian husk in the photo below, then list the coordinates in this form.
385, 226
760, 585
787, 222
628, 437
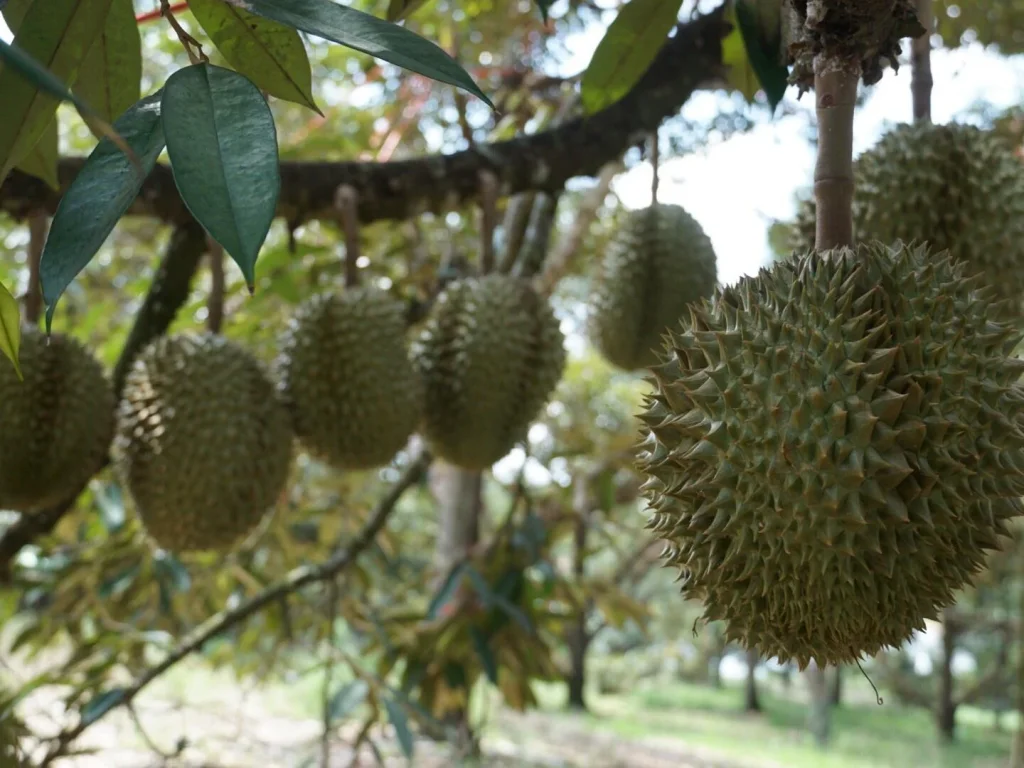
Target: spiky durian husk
954, 186
658, 262
490, 354
55, 426
348, 381
832, 446
203, 443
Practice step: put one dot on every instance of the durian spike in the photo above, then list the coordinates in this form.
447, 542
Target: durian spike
215, 301
346, 203
488, 219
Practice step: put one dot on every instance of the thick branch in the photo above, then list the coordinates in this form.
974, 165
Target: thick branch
296, 580
402, 189
169, 290
835, 93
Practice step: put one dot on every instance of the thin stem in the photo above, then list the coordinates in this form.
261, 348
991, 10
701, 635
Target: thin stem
332, 616
192, 46
654, 157
488, 219
921, 66
215, 301
38, 226
345, 201
835, 91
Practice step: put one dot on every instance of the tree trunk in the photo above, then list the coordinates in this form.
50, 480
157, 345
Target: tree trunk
460, 502
818, 712
751, 702
578, 639
945, 710
835, 694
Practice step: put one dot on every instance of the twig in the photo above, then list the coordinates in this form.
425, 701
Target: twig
190, 44
296, 580
146, 738
38, 225
215, 301
346, 203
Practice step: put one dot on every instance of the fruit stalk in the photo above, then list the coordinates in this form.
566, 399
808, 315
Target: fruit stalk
921, 66
835, 93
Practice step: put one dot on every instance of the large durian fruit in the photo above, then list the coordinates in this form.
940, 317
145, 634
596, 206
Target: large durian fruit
832, 446
347, 378
203, 443
491, 352
658, 261
55, 426
957, 187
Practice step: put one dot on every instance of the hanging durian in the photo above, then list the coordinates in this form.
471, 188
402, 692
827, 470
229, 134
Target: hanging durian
832, 447
55, 426
203, 443
658, 262
346, 376
957, 187
490, 354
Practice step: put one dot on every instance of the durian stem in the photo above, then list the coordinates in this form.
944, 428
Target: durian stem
921, 66
347, 205
535, 249
215, 301
517, 219
488, 219
654, 167
835, 93
38, 226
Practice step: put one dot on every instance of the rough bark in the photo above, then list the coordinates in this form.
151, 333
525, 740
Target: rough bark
751, 701
946, 705
402, 189
921, 66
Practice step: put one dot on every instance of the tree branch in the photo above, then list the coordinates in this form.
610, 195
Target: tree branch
402, 189
168, 292
296, 580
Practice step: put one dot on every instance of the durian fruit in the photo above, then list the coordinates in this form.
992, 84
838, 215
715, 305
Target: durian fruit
832, 446
657, 262
55, 426
203, 443
490, 354
347, 378
957, 187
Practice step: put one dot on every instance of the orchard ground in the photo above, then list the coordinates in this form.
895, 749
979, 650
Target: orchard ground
658, 724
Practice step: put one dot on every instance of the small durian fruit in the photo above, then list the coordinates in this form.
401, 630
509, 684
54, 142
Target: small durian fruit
659, 261
56, 426
833, 446
347, 378
203, 444
491, 353
956, 187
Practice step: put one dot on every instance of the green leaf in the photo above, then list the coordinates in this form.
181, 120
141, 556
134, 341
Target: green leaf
41, 161
10, 329
760, 25
403, 9
347, 698
483, 650
97, 198
110, 79
626, 51
111, 503
268, 53
222, 144
446, 591
169, 570
100, 704
398, 719
492, 598
58, 35
363, 32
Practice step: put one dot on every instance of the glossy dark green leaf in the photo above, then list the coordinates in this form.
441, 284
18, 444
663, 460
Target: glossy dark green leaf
110, 79
10, 329
347, 698
760, 24
169, 570
100, 704
446, 591
270, 54
401, 723
222, 144
364, 32
625, 52
98, 197
483, 651
56, 34
111, 503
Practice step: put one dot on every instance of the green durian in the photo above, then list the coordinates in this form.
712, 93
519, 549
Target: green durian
832, 446
956, 187
490, 353
56, 425
203, 443
658, 261
347, 378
